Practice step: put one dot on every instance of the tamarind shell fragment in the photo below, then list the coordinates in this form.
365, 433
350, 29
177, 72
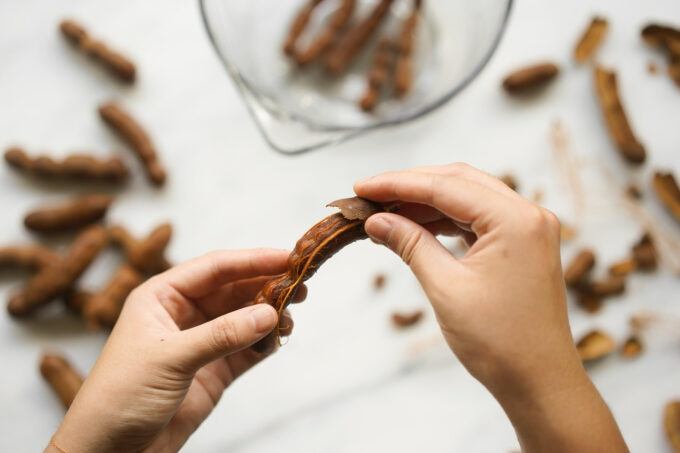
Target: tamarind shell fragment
530, 78
61, 376
666, 188
70, 215
591, 39
617, 122
317, 245
644, 253
595, 345
671, 421
632, 347
577, 271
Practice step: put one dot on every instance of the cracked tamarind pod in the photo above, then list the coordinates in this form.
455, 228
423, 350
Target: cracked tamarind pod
116, 63
81, 167
328, 36
32, 257
61, 376
70, 215
102, 309
318, 244
57, 279
147, 255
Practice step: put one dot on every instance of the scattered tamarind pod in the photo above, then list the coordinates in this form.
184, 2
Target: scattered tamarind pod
591, 38
589, 302
328, 36
318, 244
404, 320
623, 267
350, 44
666, 188
116, 63
672, 423
57, 279
577, 272
403, 71
73, 167
611, 286
70, 215
619, 127
377, 75
668, 39
102, 309
644, 253
76, 300
530, 78
298, 26
632, 347
128, 128
61, 376
146, 255
509, 181
595, 345
33, 257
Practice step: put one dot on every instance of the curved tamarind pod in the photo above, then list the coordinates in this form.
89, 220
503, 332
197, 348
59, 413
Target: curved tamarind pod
103, 309
75, 166
61, 376
403, 77
298, 26
530, 78
319, 243
57, 279
33, 257
128, 128
147, 255
666, 188
591, 38
116, 63
354, 39
71, 215
326, 38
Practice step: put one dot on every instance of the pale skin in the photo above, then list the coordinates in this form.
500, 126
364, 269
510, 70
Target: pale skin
182, 337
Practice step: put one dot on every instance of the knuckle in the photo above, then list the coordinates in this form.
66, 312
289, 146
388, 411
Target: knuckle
553, 222
409, 245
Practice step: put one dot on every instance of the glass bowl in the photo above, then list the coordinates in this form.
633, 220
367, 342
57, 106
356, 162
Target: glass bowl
301, 110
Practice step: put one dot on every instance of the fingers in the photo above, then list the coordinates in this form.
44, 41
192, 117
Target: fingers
200, 276
446, 227
419, 249
470, 173
225, 335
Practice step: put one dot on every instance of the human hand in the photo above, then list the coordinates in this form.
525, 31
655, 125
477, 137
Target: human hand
502, 307
181, 339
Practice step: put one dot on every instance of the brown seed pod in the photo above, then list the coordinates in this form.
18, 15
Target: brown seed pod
32, 257
667, 39
103, 309
667, 190
377, 76
147, 255
632, 347
672, 423
403, 72
595, 345
76, 167
578, 270
610, 286
298, 26
318, 244
623, 267
116, 63
589, 302
530, 78
644, 253
404, 320
61, 376
70, 215
130, 130
328, 36
57, 279
591, 39
619, 127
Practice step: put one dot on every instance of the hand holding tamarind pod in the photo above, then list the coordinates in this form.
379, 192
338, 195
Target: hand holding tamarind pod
530, 78
103, 309
666, 188
116, 63
130, 130
147, 255
61, 376
318, 244
377, 76
73, 167
56, 279
327, 37
619, 127
70, 215
350, 44
298, 26
591, 38
33, 257
403, 72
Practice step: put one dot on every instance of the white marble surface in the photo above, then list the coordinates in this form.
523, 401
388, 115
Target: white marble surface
346, 382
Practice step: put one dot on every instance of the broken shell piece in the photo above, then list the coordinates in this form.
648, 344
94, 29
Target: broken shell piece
595, 345
672, 423
632, 347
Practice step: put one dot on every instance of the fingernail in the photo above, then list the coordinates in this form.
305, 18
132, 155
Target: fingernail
263, 316
380, 229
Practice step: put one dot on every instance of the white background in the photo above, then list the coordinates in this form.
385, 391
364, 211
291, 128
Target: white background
346, 381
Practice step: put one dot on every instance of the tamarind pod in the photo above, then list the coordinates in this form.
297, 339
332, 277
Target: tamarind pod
530, 78
672, 424
76, 300
317, 245
298, 26
662, 36
75, 166
403, 77
130, 130
623, 267
591, 38
589, 302
147, 256
666, 188
61, 376
33, 257
619, 127
57, 279
377, 76
612, 286
116, 63
354, 39
595, 345
103, 309
70, 215
577, 271
327, 37
644, 253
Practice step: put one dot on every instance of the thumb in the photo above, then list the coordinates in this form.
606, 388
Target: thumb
225, 335
419, 249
